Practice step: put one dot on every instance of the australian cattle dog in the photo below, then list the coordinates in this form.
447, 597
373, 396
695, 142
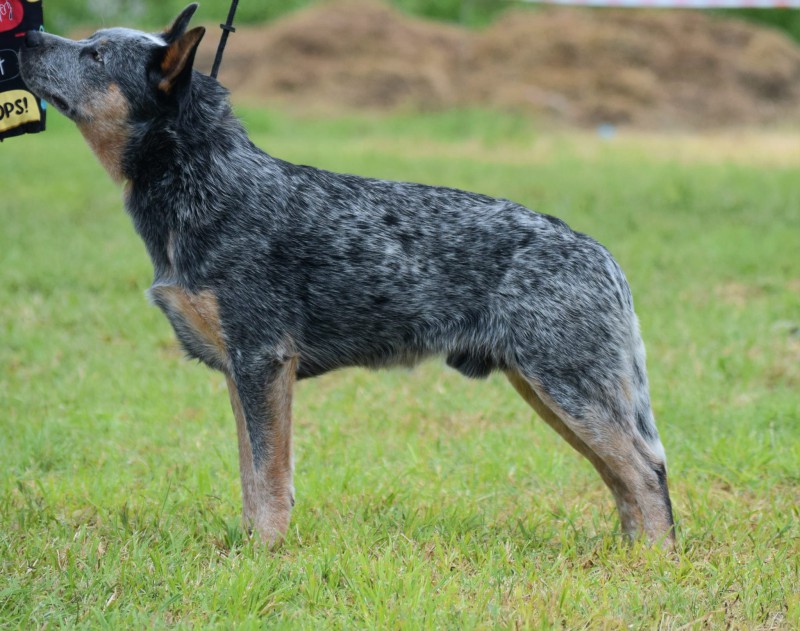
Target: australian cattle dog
272, 272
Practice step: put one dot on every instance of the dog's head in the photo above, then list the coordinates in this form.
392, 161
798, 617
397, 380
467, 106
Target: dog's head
113, 79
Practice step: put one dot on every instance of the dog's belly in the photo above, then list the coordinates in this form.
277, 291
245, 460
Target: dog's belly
313, 365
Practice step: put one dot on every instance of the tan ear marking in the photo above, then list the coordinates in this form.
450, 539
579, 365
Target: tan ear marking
178, 55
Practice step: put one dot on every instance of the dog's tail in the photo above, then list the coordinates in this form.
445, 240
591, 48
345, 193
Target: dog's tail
640, 395
646, 425
639, 392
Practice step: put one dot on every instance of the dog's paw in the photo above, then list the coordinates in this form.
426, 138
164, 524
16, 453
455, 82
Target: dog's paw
269, 526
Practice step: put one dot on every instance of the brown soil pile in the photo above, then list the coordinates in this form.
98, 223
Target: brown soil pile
644, 68
351, 54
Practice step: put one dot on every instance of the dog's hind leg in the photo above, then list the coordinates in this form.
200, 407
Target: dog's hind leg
629, 513
633, 467
261, 401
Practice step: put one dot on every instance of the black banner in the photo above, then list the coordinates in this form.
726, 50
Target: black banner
20, 111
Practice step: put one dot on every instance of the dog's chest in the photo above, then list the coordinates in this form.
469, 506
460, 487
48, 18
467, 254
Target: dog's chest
195, 318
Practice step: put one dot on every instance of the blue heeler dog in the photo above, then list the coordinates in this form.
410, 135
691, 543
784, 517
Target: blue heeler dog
271, 272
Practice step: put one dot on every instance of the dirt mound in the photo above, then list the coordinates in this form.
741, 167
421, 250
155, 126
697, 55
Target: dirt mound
348, 54
645, 68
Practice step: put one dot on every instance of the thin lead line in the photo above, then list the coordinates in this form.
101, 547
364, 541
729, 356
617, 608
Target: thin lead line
227, 29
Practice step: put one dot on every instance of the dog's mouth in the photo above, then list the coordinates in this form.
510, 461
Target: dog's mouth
59, 103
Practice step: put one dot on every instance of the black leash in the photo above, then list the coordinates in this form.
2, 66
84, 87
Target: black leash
227, 29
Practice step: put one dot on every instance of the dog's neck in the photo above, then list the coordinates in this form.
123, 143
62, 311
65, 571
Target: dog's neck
105, 129
186, 173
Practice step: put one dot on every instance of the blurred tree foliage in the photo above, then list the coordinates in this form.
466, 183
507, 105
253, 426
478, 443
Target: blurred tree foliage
64, 15
785, 19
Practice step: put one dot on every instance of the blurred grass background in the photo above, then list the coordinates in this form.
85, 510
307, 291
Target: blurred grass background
423, 500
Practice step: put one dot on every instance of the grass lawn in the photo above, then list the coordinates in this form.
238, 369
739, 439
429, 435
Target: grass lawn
423, 499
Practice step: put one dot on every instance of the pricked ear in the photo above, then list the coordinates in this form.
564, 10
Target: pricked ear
178, 26
178, 57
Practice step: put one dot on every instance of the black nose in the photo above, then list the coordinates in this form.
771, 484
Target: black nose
33, 39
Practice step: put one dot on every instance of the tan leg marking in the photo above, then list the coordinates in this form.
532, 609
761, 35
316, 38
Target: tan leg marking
200, 313
630, 515
275, 492
246, 471
267, 491
621, 464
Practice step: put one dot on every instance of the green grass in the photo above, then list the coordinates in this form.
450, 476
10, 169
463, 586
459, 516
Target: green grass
424, 500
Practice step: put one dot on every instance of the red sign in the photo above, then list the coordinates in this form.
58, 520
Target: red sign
10, 14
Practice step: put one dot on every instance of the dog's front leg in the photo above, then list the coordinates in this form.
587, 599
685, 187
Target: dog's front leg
262, 399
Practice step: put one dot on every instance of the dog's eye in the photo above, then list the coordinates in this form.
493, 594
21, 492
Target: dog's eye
97, 56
